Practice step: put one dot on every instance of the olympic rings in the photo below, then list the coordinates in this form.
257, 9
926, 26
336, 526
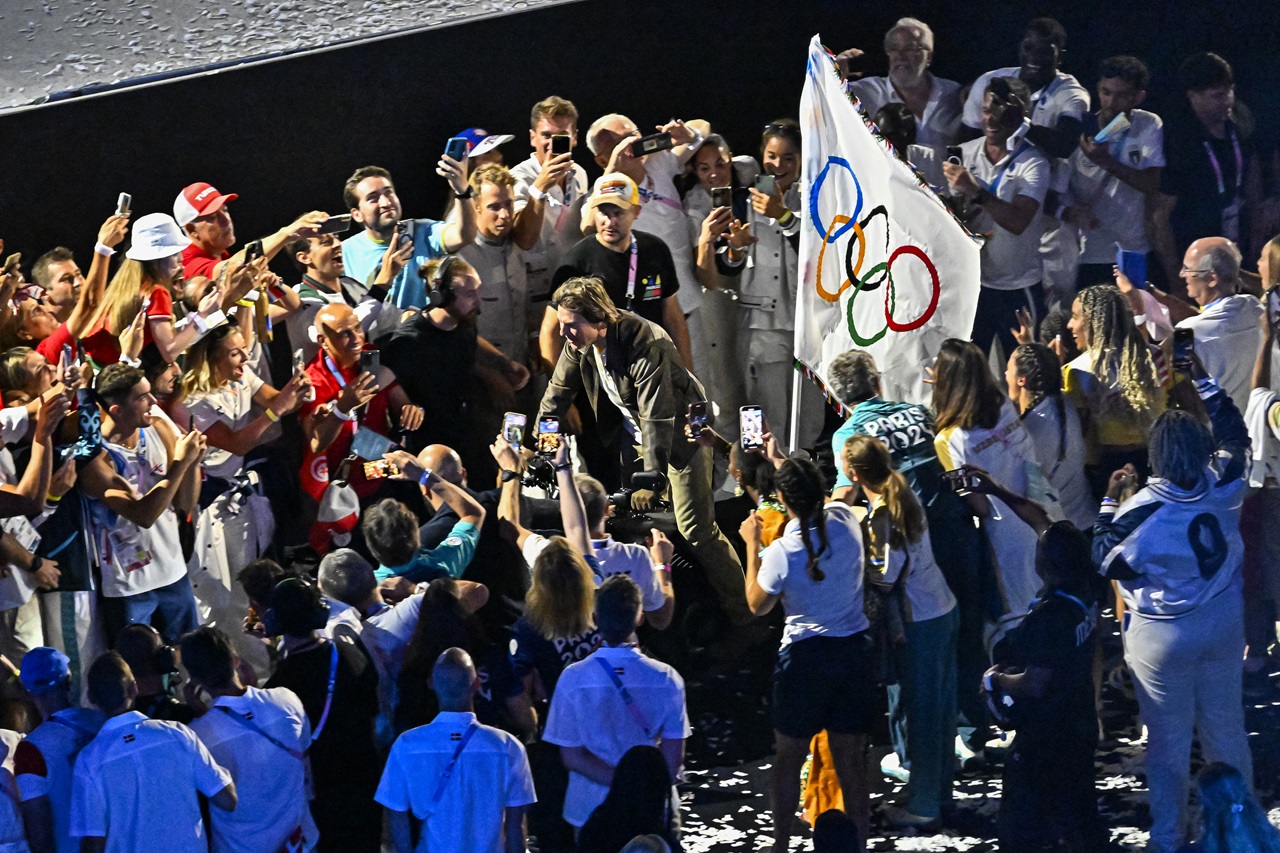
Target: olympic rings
817, 191
868, 281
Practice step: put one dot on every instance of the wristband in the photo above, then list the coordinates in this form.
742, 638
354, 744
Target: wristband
51, 498
425, 479
273, 417
246, 303
563, 467
103, 249
509, 474
537, 193
664, 567
469, 193
786, 219
130, 360
338, 413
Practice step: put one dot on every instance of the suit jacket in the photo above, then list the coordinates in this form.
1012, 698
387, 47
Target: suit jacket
652, 381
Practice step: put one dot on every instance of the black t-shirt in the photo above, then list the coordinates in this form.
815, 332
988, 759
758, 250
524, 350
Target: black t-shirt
530, 651
655, 272
1189, 175
436, 368
344, 755
1058, 634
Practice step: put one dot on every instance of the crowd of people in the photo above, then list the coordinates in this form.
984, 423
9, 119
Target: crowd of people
307, 538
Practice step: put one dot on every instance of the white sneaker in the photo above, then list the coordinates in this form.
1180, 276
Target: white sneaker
891, 766
966, 758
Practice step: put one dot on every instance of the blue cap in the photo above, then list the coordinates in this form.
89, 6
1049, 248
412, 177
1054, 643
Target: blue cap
43, 668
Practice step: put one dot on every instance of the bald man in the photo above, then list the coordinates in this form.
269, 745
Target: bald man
454, 766
347, 398
497, 562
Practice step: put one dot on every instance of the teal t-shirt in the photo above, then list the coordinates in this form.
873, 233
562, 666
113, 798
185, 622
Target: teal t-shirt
905, 428
361, 256
450, 558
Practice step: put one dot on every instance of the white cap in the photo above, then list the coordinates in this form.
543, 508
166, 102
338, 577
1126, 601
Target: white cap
484, 146
156, 236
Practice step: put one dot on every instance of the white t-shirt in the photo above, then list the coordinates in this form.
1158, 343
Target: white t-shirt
939, 125
387, 632
925, 591
57, 741
232, 405
492, 773
271, 783
1009, 261
1063, 97
831, 607
1119, 208
1228, 334
504, 295
626, 558
588, 710
1059, 449
561, 218
662, 215
139, 559
1006, 453
136, 783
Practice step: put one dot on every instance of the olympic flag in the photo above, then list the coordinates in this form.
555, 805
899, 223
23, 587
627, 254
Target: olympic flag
884, 266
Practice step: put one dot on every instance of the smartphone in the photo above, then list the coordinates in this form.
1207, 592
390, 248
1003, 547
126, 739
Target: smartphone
124, 204
660, 141
12, 263
335, 224
513, 429
549, 437
766, 184
1272, 300
379, 469
300, 366
751, 427
561, 143
697, 417
370, 361
456, 149
368, 444
403, 227
1184, 348
955, 155
960, 480
252, 252
722, 197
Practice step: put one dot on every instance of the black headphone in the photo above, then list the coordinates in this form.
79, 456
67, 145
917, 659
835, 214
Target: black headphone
164, 659
440, 286
319, 614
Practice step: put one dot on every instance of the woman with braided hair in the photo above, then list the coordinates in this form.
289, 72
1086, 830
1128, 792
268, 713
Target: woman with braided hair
823, 678
1113, 384
1034, 377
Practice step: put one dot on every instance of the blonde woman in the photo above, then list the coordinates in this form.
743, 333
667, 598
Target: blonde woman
152, 265
234, 409
1113, 383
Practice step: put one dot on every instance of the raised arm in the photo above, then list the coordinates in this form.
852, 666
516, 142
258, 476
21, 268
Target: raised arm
111, 234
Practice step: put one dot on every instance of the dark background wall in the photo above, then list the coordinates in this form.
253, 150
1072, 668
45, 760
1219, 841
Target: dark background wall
285, 136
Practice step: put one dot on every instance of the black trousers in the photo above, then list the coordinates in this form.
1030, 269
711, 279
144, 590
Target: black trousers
997, 315
1048, 790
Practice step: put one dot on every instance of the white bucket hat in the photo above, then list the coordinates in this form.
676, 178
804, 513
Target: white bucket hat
156, 236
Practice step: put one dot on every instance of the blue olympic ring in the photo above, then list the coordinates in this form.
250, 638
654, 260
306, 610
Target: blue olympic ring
817, 191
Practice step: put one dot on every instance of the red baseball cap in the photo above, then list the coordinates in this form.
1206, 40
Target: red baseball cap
199, 200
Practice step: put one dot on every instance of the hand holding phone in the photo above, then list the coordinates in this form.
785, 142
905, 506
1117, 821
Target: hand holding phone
370, 362
722, 197
654, 142
456, 149
561, 143
335, 225
697, 418
1184, 350
767, 184
955, 155
513, 424
1272, 301
123, 204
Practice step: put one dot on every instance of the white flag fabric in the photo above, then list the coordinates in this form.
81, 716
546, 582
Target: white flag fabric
884, 266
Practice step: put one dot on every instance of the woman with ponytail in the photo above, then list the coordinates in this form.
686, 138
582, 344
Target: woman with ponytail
1231, 819
1034, 377
823, 677
922, 705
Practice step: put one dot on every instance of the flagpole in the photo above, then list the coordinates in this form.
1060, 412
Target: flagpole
794, 436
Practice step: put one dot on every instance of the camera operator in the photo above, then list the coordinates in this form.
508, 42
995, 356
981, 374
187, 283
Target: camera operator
640, 391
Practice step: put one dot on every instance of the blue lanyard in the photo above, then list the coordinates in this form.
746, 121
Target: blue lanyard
995, 185
1217, 167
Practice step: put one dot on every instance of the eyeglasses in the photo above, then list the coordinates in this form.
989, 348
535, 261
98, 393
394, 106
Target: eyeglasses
1190, 272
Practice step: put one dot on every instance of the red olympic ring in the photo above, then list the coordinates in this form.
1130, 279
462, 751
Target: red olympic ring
890, 298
